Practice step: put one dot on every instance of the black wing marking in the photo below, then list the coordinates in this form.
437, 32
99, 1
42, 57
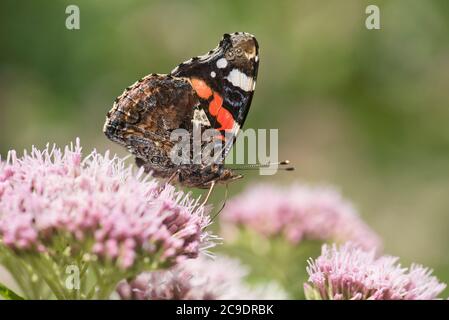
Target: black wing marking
231, 71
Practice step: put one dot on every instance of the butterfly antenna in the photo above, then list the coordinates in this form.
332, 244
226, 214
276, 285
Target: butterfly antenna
267, 165
222, 207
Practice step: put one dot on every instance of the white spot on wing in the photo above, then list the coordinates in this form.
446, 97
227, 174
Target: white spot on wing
213, 74
222, 63
200, 117
241, 80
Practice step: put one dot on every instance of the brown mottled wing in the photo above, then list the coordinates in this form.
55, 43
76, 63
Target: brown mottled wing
144, 116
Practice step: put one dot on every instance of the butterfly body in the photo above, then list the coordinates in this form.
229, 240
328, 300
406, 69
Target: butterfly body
213, 91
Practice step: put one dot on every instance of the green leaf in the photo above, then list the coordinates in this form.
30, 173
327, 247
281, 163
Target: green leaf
8, 294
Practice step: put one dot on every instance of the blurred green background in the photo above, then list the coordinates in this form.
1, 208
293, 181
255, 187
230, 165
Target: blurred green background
365, 110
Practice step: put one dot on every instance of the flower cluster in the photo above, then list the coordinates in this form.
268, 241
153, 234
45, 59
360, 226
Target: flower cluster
99, 217
348, 272
298, 213
198, 279
58, 204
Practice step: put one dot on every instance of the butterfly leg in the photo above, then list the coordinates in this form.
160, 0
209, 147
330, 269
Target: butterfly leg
222, 207
173, 176
212, 185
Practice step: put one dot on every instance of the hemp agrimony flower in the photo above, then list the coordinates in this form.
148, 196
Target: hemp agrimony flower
199, 279
58, 209
350, 273
297, 213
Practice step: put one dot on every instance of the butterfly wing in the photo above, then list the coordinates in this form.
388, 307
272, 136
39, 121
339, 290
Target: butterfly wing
224, 80
213, 91
144, 116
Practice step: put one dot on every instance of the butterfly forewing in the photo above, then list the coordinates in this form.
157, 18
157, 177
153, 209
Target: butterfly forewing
224, 80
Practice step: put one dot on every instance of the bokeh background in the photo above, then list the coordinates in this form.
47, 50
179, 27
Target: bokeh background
364, 110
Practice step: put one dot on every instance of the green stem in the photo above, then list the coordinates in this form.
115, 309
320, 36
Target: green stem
8, 294
47, 273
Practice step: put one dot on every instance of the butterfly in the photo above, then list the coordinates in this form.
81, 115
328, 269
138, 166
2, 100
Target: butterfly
212, 91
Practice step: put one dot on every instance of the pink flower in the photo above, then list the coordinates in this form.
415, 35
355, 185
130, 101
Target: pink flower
348, 272
298, 213
97, 209
198, 279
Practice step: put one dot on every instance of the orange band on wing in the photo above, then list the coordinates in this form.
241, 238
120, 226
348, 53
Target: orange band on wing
226, 120
216, 104
201, 88
223, 116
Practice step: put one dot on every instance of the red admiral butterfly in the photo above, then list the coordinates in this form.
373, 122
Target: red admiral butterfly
214, 90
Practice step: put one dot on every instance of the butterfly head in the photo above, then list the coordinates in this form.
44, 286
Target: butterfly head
239, 50
220, 175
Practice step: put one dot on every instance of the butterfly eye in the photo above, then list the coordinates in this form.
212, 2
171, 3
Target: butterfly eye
239, 52
230, 54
